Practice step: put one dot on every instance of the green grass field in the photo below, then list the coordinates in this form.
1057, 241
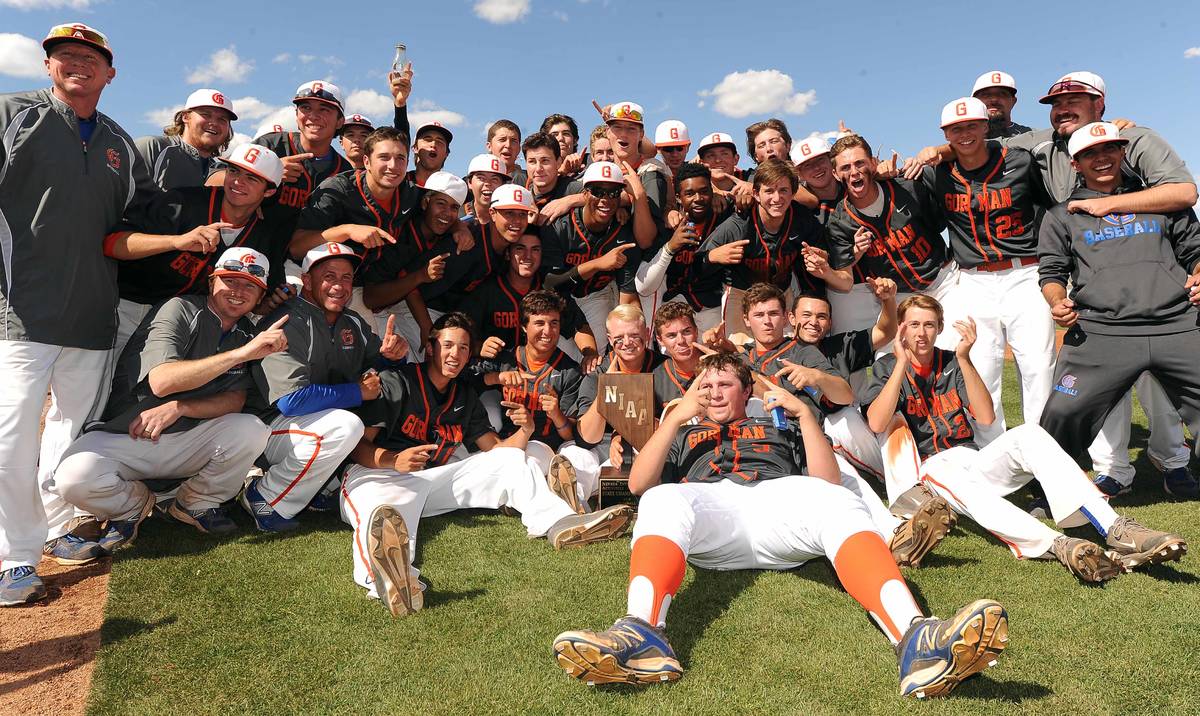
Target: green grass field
265, 625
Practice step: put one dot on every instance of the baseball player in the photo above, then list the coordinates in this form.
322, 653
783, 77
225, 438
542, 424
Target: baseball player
485, 173
732, 492
184, 153
564, 128
990, 198
674, 270
504, 141
553, 193
600, 148
589, 254
672, 141
934, 391
998, 92
431, 149
768, 139
676, 331
180, 236
354, 132
1132, 304
306, 392
402, 471
647, 186
814, 167
176, 407
58, 292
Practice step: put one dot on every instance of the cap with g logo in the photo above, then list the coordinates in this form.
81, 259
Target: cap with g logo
244, 262
626, 112
671, 133
717, 139
320, 91
328, 251
963, 109
257, 160
512, 196
809, 148
209, 97
450, 185
602, 173
358, 119
995, 78
488, 163
1089, 135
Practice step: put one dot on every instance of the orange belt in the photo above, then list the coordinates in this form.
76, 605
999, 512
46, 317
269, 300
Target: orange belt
1006, 264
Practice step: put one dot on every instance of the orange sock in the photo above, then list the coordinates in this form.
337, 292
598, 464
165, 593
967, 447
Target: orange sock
867, 570
656, 570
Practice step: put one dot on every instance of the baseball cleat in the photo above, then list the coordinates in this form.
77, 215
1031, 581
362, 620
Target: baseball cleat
212, 521
70, 550
561, 478
122, 533
387, 555
1109, 486
20, 585
918, 535
1178, 482
1086, 560
266, 519
1138, 545
600, 526
909, 501
936, 655
630, 652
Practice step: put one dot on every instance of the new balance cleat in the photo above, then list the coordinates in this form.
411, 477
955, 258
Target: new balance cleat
388, 557
1179, 482
600, 526
266, 519
20, 585
1086, 560
918, 535
122, 533
1109, 486
909, 501
212, 521
631, 652
936, 655
70, 550
561, 478
1138, 545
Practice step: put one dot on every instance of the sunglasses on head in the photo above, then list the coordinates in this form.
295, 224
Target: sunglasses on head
76, 32
1072, 86
605, 192
253, 269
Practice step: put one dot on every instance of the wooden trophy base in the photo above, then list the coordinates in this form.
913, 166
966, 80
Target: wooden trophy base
614, 488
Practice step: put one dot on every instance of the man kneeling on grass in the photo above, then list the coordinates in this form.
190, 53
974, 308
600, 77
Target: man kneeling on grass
402, 469
731, 492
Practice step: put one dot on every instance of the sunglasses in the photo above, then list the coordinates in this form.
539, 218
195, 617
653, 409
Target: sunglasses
1072, 86
309, 93
671, 149
77, 32
626, 112
237, 266
608, 192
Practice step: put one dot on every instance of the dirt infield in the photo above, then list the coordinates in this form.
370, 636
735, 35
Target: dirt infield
48, 649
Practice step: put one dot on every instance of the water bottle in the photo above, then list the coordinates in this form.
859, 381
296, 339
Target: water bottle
400, 59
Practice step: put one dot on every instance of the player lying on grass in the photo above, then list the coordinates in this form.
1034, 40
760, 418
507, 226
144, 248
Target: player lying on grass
403, 469
732, 492
935, 391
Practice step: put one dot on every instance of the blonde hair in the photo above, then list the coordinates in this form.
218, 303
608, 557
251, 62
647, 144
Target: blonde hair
626, 312
920, 300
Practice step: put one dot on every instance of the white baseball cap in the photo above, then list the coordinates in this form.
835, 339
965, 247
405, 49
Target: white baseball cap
1089, 135
359, 120
329, 251
809, 148
626, 111
716, 139
963, 109
320, 91
257, 160
78, 32
488, 163
995, 78
1083, 82
450, 185
281, 124
512, 196
603, 173
434, 126
244, 262
210, 98
671, 133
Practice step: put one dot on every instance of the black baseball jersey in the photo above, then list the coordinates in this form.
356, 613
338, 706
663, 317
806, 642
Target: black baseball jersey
411, 411
563, 186
745, 451
495, 308
466, 271
935, 404
771, 257
568, 243
669, 383
768, 364
848, 352
685, 277
317, 354
992, 212
559, 374
346, 199
294, 195
589, 387
826, 207
173, 273
182, 328
906, 243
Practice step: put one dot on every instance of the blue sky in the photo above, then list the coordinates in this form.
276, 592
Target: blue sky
886, 68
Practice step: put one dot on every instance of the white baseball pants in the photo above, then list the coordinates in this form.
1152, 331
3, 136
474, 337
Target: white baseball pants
585, 461
303, 452
596, 307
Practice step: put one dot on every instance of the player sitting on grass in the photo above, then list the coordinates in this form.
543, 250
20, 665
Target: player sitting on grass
402, 469
732, 492
935, 391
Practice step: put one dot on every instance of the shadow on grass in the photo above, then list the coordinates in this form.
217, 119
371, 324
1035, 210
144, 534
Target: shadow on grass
983, 687
698, 606
116, 630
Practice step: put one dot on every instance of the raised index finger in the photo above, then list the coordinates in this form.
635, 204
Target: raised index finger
390, 329
280, 322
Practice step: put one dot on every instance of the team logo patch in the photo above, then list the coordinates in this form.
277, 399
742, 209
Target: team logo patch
114, 159
1118, 219
347, 338
1066, 385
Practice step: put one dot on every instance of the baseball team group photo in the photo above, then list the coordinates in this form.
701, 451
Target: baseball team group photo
518, 356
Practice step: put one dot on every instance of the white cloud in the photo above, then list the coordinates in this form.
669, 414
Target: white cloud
21, 56
306, 58
741, 94
281, 58
238, 138
370, 103
162, 117
1191, 52
224, 65
284, 117
252, 108
333, 60
502, 12
424, 110
46, 4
